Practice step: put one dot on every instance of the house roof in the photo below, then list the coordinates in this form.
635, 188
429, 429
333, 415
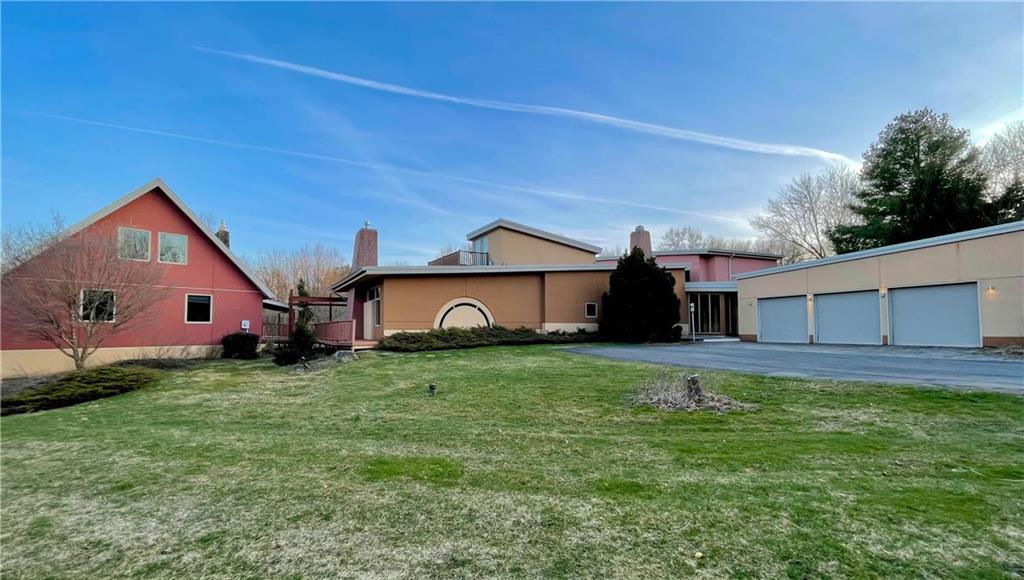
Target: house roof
158, 183
372, 272
893, 249
711, 286
532, 231
703, 252
716, 252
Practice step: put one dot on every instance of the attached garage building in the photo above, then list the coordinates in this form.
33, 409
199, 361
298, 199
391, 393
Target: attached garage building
964, 289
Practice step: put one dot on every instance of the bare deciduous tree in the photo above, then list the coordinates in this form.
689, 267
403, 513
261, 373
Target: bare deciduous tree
1003, 157
615, 251
319, 265
691, 238
73, 290
808, 208
681, 238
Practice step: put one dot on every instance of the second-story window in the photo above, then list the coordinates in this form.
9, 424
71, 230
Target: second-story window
173, 248
133, 244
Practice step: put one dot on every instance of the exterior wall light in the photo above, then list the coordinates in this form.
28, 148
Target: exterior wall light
991, 288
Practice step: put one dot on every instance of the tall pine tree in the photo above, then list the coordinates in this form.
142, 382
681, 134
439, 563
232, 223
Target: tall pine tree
922, 178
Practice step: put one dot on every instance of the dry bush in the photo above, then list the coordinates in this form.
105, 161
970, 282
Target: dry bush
672, 391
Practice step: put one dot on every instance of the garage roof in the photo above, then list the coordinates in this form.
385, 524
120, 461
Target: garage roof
893, 249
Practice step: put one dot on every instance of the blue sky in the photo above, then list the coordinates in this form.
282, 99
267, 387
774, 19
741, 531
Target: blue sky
569, 117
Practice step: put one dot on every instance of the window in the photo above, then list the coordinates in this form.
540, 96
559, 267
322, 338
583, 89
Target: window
198, 308
173, 248
373, 296
133, 244
590, 310
97, 305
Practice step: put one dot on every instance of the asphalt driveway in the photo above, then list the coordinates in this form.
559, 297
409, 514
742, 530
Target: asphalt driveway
971, 368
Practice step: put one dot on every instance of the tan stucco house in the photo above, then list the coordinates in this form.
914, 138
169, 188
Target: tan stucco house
514, 275
964, 289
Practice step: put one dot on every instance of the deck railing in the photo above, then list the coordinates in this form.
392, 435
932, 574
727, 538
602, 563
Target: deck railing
462, 258
275, 331
336, 333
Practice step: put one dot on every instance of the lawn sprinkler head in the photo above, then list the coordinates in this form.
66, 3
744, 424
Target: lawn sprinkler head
432, 389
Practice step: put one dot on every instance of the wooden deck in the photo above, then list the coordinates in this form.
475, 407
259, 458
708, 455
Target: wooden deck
339, 333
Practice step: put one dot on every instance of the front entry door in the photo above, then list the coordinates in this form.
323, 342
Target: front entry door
368, 320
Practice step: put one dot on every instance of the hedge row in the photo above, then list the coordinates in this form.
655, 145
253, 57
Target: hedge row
450, 338
78, 387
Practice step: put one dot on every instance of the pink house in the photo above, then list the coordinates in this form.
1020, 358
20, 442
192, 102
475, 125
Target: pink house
210, 292
710, 280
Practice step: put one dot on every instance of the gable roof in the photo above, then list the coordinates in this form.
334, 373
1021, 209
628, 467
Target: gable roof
532, 231
158, 183
996, 230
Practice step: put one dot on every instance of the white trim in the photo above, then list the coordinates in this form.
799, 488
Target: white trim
160, 245
710, 286
210, 321
585, 305
81, 305
149, 243
893, 249
532, 231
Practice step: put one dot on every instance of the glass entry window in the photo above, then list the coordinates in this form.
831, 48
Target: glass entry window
707, 313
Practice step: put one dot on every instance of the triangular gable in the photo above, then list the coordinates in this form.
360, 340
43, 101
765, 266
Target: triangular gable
158, 183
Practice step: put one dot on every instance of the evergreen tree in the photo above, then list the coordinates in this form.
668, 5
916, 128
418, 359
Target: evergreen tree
641, 303
922, 178
303, 339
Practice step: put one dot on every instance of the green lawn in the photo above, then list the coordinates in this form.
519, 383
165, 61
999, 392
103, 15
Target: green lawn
527, 463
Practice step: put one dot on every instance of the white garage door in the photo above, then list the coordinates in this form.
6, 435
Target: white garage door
782, 319
847, 318
935, 315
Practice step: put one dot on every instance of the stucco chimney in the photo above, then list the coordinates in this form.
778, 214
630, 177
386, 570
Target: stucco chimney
223, 234
365, 251
640, 238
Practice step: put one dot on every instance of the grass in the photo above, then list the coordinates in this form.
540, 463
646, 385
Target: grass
526, 463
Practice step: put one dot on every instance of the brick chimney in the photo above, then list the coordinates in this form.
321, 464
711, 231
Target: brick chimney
365, 251
223, 234
640, 238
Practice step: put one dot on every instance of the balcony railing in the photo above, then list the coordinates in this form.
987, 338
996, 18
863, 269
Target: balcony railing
463, 258
339, 332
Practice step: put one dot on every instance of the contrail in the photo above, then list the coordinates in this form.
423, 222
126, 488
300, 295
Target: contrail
627, 124
554, 194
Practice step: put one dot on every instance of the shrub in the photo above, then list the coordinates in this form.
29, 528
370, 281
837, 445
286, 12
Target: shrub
78, 387
287, 356
641, 304
450, 338
302, 340
241, 345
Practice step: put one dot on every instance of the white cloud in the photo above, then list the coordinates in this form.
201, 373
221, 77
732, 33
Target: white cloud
538, 191
627, 124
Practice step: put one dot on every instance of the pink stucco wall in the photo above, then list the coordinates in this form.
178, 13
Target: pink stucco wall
711, 267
